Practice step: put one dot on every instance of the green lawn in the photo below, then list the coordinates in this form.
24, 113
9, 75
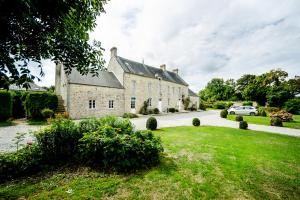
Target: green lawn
36, 122
199, 163
266, 120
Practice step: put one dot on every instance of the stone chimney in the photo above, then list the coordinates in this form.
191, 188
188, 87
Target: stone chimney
163, 67
175, 70
114, 51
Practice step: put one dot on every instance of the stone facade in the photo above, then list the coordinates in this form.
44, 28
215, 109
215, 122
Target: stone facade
87, 100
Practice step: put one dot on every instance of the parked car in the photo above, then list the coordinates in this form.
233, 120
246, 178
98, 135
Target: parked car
242, 110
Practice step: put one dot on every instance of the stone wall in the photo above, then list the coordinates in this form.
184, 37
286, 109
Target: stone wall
142, 93
80, 95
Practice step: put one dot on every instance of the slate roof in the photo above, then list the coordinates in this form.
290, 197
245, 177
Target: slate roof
32, 87
104, 79
136, 68
191, 93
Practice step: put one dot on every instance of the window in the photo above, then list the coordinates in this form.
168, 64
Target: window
92, 104
133, 87
132, 102
149, 88
111, 104
149, 102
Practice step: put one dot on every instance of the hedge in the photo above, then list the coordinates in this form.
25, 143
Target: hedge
18, 110
36, 102
6, 105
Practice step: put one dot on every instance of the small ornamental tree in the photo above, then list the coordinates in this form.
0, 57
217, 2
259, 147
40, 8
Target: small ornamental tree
151, 123
224, 113
243, 125
239, 118
196, 122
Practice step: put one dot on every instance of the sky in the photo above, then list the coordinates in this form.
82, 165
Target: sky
204, 39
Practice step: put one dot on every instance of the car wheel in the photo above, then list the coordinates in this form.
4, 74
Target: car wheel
252, 113
232, 113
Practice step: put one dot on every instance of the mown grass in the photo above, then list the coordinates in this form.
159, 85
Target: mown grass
198, 163
266, 121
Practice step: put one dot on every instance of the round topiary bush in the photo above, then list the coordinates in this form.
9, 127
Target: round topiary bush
239, 118
151, 123
224, 113
47, 113
243, 125
156, 111
196, 122
276, 121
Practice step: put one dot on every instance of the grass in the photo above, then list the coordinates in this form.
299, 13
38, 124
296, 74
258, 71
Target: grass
266, 121
7, 123
199, 163
36, 122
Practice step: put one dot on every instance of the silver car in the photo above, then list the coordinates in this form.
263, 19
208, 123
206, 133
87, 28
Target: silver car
242, 110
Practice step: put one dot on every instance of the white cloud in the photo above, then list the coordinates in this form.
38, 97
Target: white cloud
204, 39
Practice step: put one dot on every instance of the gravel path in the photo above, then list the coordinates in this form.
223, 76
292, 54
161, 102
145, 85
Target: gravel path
210, 117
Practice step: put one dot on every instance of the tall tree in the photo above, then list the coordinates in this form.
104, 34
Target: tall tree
33, 30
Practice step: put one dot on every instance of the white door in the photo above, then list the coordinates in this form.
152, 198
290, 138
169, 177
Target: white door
160, 106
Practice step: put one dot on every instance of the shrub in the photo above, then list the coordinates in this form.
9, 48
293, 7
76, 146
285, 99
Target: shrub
130, 115
276, 121
229, 104
64, 115
120, 152
238, 118
26, 161
172, 110
18, 110
47, 113
243, 125
283, 115
219, 105
151, 123
176, 110
262, 112
272, 109
224, 113
186, 102
144, 109
6, 105
196, 122
59, 141
122, 126
292, 106
89, 125
155, 111
36, 102
247, 103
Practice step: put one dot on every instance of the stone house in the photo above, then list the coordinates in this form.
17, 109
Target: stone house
123, 88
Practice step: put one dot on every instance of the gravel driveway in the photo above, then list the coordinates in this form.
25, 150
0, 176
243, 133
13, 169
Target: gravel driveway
210, 117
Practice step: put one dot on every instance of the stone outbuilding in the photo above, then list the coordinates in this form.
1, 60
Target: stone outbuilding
123, 88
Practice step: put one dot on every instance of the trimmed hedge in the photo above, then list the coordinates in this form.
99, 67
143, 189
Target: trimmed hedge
18, 110
243, 125
196, 122
151, 123
238, 118
36, 102
130, 115
5, 105
276, 121
224, 113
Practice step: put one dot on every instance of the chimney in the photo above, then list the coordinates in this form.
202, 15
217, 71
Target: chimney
163, 67
114, 51
175, 70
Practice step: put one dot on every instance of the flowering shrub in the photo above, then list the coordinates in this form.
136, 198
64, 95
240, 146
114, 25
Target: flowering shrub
283, 115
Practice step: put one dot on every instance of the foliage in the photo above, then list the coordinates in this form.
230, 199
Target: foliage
196, 122
283, 115
243, 125
18, 139
262, 111
32, 31
151, 123
130, 115
272, 109
89, 125
278, 95
220, 105
6, 105
292, 106
172, 110
59, 141
121, 152
186, 102
18, 107
64, 115
224, 113
25, 161
238, 118
37, 101
47, 113
156, 111
248, 103
144, 108
276, 121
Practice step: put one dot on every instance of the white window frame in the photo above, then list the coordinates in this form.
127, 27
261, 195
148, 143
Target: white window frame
133, 102
92, 104
111, 104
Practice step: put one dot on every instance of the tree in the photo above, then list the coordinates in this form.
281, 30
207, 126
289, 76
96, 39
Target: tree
294, 85
34, 30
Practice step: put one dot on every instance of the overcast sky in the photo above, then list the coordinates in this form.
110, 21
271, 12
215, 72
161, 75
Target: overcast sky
203, 38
